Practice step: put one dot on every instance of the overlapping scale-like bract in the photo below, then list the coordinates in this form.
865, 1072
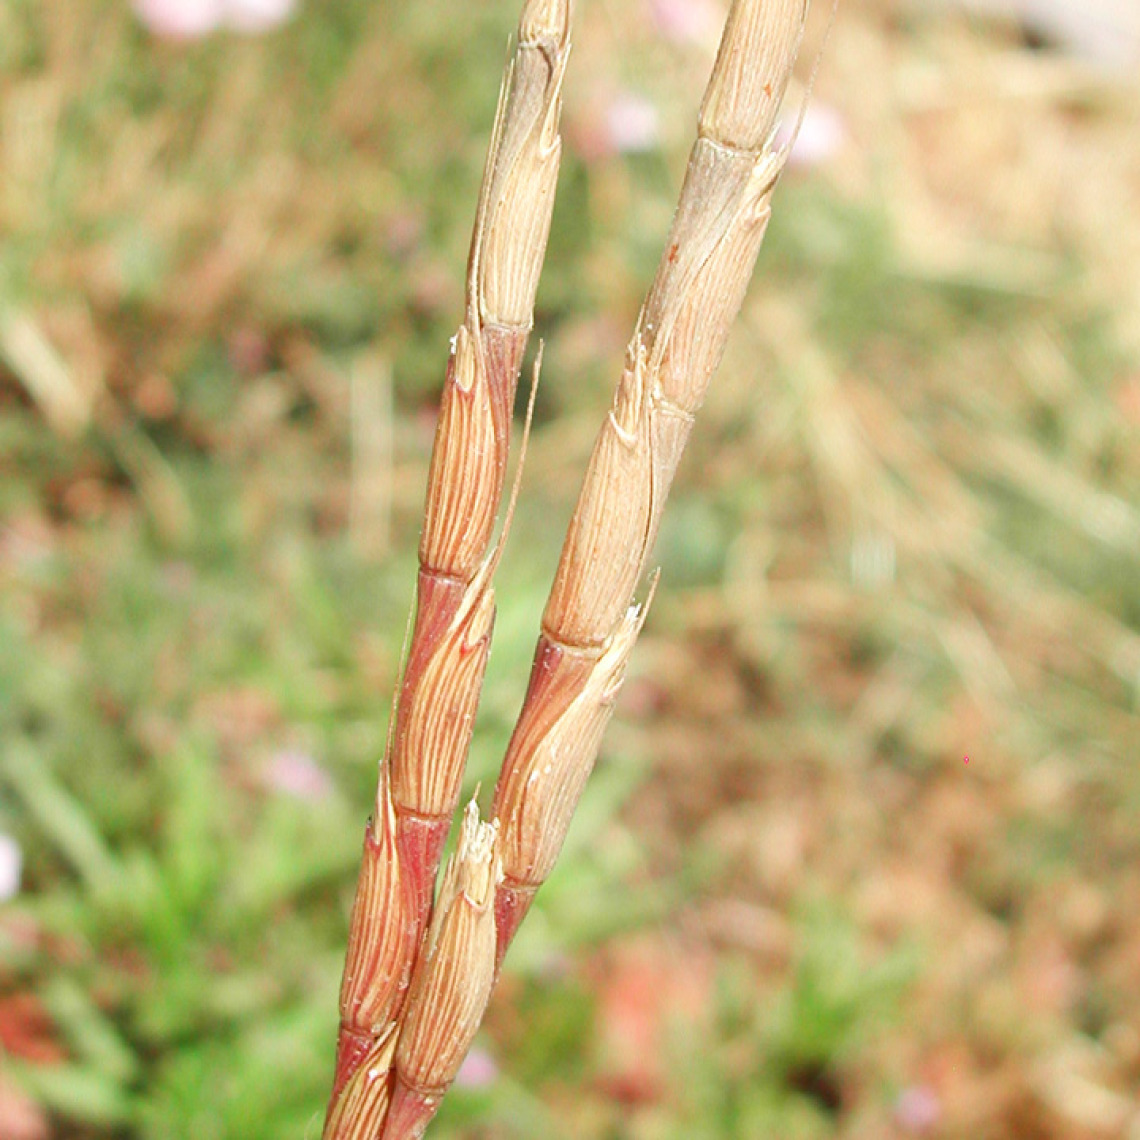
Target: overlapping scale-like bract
411, 1003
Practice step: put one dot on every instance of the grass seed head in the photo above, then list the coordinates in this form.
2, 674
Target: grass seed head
456, 969
751, 73
430, 748
379, 956
540, 786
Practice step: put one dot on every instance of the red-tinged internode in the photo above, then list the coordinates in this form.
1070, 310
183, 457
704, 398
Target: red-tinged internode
357, 1111
410, 1112
503, 352
438, 598
420, 840
434, 718
558, 675
469, 457
512, 901
446, 580
352, 1046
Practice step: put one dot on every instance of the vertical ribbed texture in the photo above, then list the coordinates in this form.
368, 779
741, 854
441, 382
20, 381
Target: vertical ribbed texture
442, 679
377, 966
411, 1003
465, 480
751, 72
588, 627
438, 724
362, 1107
518, 195
452, 982
544, 774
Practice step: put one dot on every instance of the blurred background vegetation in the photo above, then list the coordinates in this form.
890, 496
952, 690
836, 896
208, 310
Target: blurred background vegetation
908, 533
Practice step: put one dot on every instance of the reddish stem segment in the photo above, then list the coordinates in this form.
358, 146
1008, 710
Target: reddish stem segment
512, 901
410, 1111
420, 841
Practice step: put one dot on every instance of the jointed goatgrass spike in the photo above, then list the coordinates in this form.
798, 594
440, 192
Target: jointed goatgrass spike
720, 222
454, 612
402, 1041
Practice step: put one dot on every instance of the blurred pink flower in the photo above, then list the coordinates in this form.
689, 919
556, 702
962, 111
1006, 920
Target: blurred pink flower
180, 19
688, 21
478, 1070
298, 775
11, 867
253, 16
822, 135
192, 19
633, 124
917, 1109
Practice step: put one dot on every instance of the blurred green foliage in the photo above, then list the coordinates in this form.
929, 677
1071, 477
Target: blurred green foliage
910, 538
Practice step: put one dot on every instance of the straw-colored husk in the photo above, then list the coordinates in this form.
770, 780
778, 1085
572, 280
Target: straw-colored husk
453, 979
751, 73
590, 623
447, 654
542, 781
680, 336
518, 197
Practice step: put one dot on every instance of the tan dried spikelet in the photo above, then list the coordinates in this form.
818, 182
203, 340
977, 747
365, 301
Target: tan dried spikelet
463, 489
538, 792
688, 351
518, 195
430, 749
690, 274
751, 73
457, 965
545, 20
603, 555
360, 1110
378, 962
